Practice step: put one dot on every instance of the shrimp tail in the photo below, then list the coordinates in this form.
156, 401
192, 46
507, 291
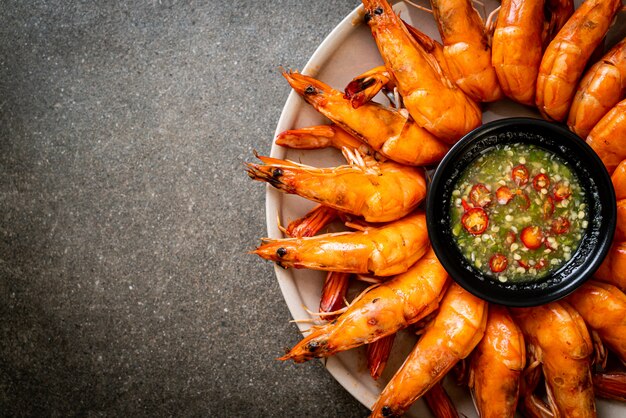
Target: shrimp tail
334, 293
377, 355
367, 85
610, 385
311, 223
440, 403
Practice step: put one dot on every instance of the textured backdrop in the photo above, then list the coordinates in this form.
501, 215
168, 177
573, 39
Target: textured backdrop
126, 215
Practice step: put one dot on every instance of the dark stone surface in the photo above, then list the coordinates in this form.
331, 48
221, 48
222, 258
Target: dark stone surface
125, 212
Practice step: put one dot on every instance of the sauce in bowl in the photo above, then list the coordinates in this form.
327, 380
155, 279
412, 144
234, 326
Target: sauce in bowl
518, 212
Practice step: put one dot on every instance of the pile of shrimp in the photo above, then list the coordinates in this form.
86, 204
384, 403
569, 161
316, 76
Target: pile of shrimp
550, 360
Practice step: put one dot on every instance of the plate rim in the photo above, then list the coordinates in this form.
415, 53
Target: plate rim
274, 199
286, 281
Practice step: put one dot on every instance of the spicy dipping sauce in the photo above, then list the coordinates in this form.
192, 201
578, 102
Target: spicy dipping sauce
518, 212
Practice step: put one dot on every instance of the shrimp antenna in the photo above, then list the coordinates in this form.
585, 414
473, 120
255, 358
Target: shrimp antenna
490, 22
482, 6
420, 7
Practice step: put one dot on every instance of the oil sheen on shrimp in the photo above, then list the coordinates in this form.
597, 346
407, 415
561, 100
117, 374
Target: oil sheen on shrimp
383, 251
386, 130
394, 305
613, 268
618, 178
433, 100
496, 364
566, 57
608, 137
451, 336
559, 338
379, 192
601, 88
603, 307
517, 48
466, 49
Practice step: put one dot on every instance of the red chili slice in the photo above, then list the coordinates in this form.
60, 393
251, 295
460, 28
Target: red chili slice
560, 225
504, 195
561, 191
466, 206
520, 175
541, 264
548, 207
541, 181
475, 221
523, 264
480, 195
547, 243
532, 237
510, 238
523, 201
498, 263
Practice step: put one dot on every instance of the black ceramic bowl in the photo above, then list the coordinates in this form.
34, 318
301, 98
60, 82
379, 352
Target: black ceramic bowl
592, 176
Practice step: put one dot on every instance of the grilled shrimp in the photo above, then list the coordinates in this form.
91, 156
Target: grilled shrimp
603, 307
613, 268
608, 137
322, 136
386, 130
566, 57
382, 311
466, 49
365, 86
601, 88
451, 336
433, 101
380, 192
557, 336
385, 251
496, 364
517, 48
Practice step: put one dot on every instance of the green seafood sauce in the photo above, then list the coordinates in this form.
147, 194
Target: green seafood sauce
518, 212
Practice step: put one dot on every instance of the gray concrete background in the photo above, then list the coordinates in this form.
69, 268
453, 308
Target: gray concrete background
125, 212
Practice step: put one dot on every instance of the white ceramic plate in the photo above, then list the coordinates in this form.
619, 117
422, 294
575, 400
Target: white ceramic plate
350, 50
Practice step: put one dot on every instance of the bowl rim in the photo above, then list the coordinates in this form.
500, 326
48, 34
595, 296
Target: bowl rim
553, 286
